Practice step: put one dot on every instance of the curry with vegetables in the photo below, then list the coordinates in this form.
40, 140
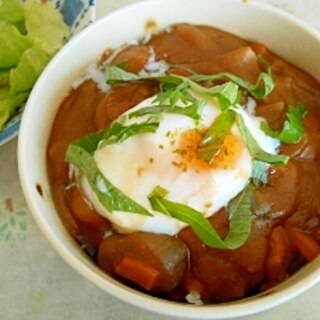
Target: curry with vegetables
191, 170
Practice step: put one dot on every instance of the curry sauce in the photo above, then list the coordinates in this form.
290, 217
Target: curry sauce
285, 231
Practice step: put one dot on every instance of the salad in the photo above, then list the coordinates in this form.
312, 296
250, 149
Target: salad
31, 33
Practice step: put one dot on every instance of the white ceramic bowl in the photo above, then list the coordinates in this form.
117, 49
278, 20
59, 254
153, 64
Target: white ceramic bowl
282, 33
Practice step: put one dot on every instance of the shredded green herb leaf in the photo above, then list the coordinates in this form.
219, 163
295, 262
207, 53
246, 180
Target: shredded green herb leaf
293, 130
213, 140
259, 174
193, 110
174, 91
255, 150
239, 216
263, 87
116, 74
80, 154
117, 133
174, 88
227, 94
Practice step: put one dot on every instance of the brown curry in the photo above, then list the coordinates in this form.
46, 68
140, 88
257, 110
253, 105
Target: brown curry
286, 211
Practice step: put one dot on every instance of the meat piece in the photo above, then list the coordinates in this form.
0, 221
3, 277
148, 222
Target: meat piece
73, 120
283, 68
308, 197
81, 101
55, 156
292, 85
190, 44
155, 262
194, 36
241, 62
306, 156
134, 58
278, 199
292, 91
119, 100
224, 275
274, 113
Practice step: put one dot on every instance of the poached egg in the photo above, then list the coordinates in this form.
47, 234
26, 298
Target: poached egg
168, 158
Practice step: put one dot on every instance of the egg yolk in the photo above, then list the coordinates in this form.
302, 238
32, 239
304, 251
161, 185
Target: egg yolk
226, 158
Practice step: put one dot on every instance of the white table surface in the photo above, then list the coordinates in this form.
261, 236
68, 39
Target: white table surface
36, 284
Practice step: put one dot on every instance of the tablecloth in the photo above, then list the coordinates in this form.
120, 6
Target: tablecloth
36, 284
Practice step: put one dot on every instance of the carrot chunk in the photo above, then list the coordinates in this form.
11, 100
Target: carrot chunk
307, 246
138, 272
278, 253
259, 48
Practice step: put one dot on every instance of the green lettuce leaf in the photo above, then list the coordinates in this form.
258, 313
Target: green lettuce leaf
45, 26
240, 216
21, 60
4, 77
9, 103
12, 12
12, 45
80, 154
24, 76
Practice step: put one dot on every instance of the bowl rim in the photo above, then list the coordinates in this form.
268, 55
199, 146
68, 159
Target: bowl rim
238, 308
